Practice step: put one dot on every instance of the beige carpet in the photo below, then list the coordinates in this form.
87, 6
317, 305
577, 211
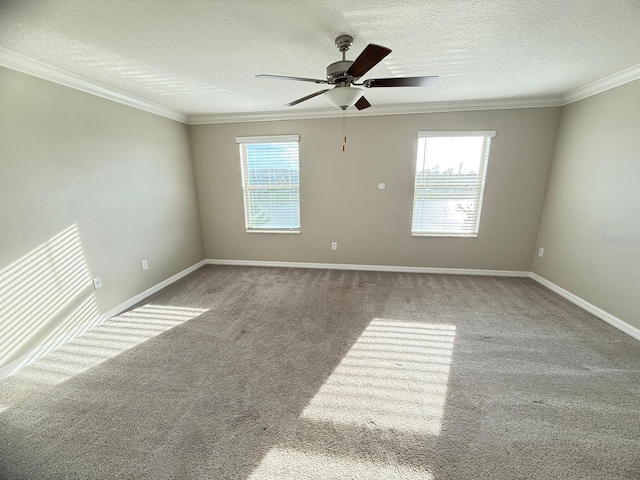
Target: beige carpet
259, 373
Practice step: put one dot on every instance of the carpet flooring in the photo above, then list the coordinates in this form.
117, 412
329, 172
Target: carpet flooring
271, 373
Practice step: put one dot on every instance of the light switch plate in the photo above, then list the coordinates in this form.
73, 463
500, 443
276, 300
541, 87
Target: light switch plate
97, 283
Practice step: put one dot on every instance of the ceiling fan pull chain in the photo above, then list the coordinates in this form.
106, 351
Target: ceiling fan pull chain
344, 127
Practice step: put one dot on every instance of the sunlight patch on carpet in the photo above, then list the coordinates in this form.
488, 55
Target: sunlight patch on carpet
282, 463
101, 343
394, 377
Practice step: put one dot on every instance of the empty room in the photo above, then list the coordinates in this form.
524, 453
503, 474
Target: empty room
265, 240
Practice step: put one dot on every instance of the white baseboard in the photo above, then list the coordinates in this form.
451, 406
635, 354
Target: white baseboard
589, 307
36, 353
51, 345
374, 268
150, 291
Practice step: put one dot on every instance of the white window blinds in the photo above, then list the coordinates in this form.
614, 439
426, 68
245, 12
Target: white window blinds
449, 182
270, 182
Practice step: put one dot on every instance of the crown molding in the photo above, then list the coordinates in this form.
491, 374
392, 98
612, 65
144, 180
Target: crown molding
406, 109
21, 63
16, 61
607, 83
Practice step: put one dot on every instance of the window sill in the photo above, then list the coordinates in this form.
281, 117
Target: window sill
446, 235
290, 232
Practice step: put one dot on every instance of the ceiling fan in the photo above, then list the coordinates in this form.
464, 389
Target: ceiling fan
344, 74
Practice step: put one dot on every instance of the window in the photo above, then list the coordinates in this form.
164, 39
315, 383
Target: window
449, 183
270, 183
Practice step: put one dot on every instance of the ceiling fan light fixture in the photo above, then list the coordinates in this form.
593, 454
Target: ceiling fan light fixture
344, 97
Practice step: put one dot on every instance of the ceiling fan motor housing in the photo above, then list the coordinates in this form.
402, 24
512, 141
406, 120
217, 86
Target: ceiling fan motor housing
337, 71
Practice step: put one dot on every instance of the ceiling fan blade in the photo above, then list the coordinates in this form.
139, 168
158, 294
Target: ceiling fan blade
369, 58
401, 82
298, 79
362, 104
300, 100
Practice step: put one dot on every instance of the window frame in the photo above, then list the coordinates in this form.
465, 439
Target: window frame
267, 139
486, 148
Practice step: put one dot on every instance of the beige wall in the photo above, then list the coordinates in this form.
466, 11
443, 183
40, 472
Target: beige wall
594, 192
88, 187
340, 200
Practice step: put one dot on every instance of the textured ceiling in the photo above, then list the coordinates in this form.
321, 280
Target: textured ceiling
199, 56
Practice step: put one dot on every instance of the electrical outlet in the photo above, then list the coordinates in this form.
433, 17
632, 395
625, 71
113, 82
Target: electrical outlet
541, 252
97, 283
145, 264
334, 245
381, 186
